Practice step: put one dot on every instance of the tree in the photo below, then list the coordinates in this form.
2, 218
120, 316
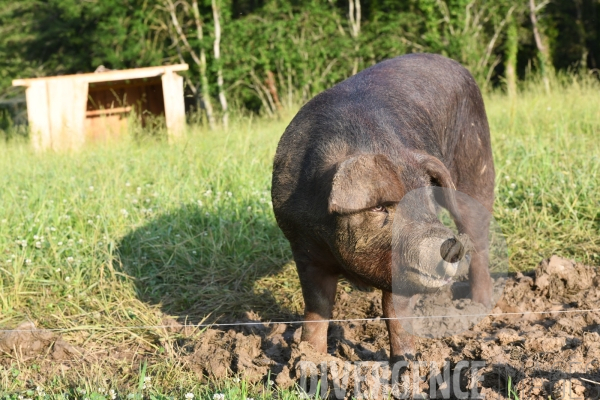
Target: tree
179, 38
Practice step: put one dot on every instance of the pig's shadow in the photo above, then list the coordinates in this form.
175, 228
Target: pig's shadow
194, 263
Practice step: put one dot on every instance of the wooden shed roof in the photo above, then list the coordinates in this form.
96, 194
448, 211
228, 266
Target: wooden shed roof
113, 75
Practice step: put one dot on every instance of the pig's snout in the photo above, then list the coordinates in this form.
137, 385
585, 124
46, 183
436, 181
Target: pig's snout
452, 250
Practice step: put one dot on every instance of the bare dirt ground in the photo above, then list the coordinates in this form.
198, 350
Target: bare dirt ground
555, 353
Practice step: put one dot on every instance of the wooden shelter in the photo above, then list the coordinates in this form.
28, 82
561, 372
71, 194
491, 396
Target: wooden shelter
66, 111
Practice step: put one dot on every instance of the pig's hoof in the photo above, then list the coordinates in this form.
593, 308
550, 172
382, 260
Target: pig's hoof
482, 298
404, 357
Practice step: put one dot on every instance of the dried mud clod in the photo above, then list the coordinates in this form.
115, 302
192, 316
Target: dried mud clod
26, 341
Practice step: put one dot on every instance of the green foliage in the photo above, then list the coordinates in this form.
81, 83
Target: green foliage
54, 37
304, 45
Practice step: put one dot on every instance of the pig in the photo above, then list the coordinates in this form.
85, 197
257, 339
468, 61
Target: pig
346, 161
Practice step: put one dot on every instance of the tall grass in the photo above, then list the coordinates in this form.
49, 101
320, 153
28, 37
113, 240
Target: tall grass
118, 236
547, 155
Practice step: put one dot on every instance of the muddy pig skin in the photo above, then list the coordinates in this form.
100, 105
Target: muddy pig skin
347, 159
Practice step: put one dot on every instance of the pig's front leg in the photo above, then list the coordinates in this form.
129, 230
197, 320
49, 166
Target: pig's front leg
318, 290
475, 222
402, 343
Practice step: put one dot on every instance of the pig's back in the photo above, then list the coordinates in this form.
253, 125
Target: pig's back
416, 101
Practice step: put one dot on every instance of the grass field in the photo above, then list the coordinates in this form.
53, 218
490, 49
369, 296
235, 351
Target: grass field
102, 241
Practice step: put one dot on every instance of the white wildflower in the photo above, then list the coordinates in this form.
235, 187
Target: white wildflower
28, 261
112, 394
38, 245
70, 259
218, 396
189, 396
67, 279
91, 188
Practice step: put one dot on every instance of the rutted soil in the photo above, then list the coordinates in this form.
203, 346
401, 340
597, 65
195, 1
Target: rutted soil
554, 353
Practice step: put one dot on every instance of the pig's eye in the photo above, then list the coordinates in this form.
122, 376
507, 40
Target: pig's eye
379, 209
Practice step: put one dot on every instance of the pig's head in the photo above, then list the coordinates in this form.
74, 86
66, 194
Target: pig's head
374, 235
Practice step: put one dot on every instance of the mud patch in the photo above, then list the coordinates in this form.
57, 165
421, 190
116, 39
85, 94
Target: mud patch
533, 341
555, 352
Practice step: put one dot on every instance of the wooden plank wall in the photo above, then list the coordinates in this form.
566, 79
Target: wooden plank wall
111, 104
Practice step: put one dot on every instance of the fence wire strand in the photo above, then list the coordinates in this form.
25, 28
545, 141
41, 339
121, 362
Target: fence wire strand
251, 323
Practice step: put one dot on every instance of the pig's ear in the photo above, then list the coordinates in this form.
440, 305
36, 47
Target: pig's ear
440, 175
363, 182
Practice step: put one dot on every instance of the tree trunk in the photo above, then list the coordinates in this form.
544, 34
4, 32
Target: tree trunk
512, 48
354, 15
217, 53
272, 87
582, 36
544, 54
205, 93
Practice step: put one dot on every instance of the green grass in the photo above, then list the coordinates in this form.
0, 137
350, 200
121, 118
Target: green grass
103, 240
547, 157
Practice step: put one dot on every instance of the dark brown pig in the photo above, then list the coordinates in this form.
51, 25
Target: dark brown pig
348, 158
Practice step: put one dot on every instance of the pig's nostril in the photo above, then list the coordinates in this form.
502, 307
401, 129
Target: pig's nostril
451, 250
